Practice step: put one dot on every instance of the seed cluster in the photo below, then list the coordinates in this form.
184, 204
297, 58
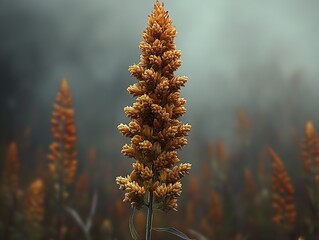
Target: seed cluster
283, 205
62, 159
155, 131
34, 203
310, 151
11, 169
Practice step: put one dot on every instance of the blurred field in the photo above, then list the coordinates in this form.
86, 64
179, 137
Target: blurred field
252, 101
230, 193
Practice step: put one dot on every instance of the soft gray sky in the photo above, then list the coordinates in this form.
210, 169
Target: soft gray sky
236, 53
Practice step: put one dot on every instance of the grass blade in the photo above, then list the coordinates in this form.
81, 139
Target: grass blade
198, 235
173, 231
76, 217
133, 231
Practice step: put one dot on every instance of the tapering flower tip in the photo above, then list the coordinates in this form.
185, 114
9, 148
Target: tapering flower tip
216, 211
34, 203
11, 168
12, 162
62, 155
310, 130
154, 129
37, 184
274, 157
282, 194
64, 86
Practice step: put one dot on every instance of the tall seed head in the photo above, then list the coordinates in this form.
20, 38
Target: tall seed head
155, 131
34, 210
310, 150
34, 203
62, 157
283, 205
11, 168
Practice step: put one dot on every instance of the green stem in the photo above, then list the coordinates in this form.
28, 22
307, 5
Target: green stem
149, 217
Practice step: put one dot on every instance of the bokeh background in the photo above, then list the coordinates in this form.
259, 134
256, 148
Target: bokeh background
256, 57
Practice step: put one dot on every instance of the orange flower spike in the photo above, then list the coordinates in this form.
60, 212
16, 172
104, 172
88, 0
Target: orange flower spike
34, 202
283, 205
216, 211
310, 131
62, 159
310, 149
155, 131
11, 168
190, 213
34, 210
212, 221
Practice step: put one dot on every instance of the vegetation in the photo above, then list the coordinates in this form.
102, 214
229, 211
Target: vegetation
242, 191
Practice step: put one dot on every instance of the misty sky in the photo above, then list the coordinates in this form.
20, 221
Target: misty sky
235, 53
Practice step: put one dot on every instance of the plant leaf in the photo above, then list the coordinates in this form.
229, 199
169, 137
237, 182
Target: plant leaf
133, 231
92, 211
198, 235
173, 231
76, 217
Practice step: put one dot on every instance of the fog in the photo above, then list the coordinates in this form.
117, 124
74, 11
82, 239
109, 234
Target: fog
259, 55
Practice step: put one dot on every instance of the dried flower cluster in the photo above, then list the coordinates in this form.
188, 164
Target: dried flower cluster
283, 205
213, 220
11, 169
62, 159
34, 203
154, 130
34, 210
310, 151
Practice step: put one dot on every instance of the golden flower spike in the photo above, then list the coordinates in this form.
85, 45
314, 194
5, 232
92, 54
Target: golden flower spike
215, 215
62, 157
11, 169
310, 156
155, 131
283, 205
34, 209
310, 150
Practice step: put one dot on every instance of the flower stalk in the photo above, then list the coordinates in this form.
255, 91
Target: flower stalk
62, 157
283, 195
155, 131
149, 221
